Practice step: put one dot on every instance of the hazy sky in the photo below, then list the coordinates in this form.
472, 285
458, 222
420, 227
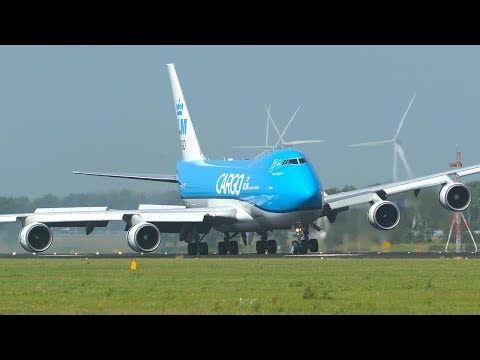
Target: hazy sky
110, 108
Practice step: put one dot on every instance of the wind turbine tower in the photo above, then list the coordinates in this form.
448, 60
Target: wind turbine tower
458, 216
398, 152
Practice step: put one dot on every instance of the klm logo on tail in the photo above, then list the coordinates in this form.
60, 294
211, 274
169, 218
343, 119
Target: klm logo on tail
182, 123
179, 107
182, 126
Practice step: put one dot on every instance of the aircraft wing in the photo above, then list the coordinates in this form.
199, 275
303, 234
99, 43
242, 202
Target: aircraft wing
343, 200
79, 216
144, 224
149, 177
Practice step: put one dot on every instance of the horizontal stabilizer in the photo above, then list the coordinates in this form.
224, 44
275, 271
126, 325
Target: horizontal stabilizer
149, 177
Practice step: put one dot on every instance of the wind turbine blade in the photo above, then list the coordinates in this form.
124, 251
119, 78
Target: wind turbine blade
290, 121
403, 118
268, 121
372, 143
263, 152
401, 153
252, 147
275, 127
298, 142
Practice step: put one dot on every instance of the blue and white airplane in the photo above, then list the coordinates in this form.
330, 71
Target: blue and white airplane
278, 190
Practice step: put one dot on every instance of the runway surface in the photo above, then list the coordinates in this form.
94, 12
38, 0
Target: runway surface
350, 255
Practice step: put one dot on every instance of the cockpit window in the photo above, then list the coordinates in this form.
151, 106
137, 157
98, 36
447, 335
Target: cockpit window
294, 161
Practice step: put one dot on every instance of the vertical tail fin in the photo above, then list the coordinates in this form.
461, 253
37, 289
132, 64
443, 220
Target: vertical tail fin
188, 138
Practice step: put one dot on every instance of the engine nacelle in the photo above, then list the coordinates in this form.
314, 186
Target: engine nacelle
35, 237
455, 196
143, 237
384, 215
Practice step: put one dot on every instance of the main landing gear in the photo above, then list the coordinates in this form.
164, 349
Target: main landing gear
227, 245
264, 246
197, 247
301, 246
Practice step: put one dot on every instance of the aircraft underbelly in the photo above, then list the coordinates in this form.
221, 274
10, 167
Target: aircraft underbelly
252, 218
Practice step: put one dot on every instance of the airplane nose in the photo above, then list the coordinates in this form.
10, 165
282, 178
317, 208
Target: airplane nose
308, 194
311, 196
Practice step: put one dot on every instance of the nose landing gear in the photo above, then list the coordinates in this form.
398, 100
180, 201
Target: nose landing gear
303, 242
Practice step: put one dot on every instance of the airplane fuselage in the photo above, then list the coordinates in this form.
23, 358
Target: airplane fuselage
273, 191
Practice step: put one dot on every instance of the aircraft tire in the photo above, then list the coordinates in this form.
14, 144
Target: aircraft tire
222, 248
260, 247
192, 249
295, 247
272, 246
233, 247
203, 248
303, 247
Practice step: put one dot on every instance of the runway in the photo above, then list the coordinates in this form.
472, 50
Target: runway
320, 256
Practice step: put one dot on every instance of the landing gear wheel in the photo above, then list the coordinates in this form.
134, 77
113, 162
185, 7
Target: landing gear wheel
222, 248
192, 249
313, 245
233, 247
272, 246
303, 247
203, 248
295, 247
260, 247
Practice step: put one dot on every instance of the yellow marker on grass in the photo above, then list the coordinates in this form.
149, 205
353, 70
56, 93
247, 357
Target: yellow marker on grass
133, 264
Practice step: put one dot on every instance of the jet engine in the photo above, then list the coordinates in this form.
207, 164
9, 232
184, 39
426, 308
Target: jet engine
384, 215
35, 237
455, 196
143, 237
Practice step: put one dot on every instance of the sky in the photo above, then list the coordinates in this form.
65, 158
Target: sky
109, 108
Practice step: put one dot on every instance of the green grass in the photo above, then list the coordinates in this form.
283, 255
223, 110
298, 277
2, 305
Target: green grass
240, 286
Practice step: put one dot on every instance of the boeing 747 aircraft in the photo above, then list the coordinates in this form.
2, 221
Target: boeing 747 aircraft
275, 191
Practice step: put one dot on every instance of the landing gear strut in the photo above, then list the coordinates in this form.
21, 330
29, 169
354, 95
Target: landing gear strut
264, 246
227, 245
301, 246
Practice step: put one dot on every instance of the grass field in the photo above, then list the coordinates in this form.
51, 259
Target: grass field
240, 286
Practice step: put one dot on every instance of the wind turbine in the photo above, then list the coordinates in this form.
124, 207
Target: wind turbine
281, 143
398, 151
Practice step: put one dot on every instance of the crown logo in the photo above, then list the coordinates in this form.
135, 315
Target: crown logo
179, 107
